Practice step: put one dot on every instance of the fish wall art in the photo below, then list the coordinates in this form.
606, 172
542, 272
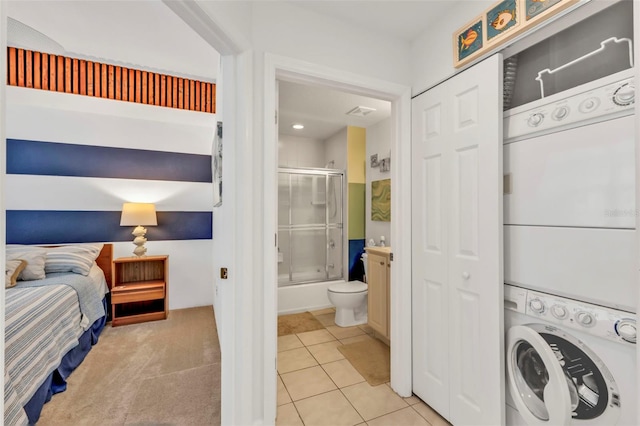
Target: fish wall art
502, 18
502, 22
470, 40
536, 7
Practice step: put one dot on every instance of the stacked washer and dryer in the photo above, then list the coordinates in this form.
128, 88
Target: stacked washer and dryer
570, 257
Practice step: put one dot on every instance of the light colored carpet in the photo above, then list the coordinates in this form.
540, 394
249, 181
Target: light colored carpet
371, 358
155, 373
298, 323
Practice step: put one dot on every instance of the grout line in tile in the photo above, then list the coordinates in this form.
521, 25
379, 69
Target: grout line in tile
395, 411
414, 409
350, 403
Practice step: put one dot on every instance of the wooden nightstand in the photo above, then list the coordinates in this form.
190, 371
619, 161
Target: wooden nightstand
140, 289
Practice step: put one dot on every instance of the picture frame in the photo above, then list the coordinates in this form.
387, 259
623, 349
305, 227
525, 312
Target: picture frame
385, 164
469, 41
536, 11
503, 18
217, 166
500, 23
381, 200
374, 161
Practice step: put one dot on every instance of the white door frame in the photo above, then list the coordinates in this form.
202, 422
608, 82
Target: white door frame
3, 150
283, 68
234, 298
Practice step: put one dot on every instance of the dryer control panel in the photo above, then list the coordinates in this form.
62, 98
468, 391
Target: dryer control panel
610, 97
611, 324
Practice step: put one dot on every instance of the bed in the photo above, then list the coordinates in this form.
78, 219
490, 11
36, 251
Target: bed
51, 323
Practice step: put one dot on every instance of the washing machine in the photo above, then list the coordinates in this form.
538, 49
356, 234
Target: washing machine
568, 362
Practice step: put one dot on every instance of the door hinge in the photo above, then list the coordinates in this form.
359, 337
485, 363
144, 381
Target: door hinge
275, 239
220, 129
276, 117
391, 257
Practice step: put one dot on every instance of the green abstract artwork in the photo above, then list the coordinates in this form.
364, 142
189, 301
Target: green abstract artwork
381, 200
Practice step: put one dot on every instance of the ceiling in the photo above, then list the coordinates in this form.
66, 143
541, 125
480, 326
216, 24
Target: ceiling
117, 25
323, 112
138, 34
400, 19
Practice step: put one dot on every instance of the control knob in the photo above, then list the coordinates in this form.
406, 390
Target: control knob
589, 104
559, 311
536, 305
624, 95
560, 113
626, 329
535, 119
585, 319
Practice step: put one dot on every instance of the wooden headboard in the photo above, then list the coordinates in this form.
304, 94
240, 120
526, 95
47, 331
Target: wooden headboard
104, 262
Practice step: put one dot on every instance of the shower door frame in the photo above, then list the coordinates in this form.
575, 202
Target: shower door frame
327, 227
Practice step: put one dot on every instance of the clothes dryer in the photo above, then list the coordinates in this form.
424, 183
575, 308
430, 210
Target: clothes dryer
568, 362
569, 203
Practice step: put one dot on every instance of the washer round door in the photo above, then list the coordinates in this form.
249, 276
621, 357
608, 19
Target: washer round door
555, 379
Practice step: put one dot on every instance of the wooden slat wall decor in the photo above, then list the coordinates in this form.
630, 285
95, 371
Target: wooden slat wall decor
26, 68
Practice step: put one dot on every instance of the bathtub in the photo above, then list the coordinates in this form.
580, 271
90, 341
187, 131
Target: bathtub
304, 297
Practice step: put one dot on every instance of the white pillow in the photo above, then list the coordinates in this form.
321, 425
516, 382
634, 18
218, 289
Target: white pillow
35, 260
77, 258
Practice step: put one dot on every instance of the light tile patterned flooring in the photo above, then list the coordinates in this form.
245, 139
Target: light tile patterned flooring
317, 386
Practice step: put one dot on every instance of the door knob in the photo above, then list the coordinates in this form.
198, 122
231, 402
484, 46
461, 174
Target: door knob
466, 275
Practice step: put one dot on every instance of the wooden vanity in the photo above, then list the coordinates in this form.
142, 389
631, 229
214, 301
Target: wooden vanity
379, 281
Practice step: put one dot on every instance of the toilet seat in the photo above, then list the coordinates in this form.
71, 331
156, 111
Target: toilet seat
350, 287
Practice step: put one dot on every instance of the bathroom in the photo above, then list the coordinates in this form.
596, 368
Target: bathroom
326, 172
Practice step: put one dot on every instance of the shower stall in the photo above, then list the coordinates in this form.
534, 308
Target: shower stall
310, 226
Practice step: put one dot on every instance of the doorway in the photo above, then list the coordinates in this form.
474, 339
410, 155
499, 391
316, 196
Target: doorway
286, 69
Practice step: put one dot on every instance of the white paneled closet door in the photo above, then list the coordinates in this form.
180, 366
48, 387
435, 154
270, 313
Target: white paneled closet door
458, 338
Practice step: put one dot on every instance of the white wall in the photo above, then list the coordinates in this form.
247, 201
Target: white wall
75, 119
283, 29
432, 52
378, 142
143, 35
296, 151
336, 151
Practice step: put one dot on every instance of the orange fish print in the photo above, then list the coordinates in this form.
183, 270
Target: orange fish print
468, 39
503, 19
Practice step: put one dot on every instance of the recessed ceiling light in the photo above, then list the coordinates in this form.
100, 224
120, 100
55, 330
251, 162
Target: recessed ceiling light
298, 126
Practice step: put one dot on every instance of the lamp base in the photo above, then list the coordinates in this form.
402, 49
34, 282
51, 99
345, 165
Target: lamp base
140, 251
139, 241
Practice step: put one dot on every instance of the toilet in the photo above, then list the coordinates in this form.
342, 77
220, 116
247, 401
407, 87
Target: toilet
350, 300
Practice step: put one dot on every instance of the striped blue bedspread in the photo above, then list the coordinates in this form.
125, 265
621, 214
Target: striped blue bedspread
41, 325
89, 295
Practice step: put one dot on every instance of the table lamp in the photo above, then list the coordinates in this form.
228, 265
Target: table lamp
139, 214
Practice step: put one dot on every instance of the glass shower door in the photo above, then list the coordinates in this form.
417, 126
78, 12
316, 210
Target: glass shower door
310, 235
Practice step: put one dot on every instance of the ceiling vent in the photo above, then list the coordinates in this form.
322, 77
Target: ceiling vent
361, 111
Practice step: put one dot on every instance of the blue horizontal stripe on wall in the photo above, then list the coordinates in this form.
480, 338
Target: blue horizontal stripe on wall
26, 157
58, 227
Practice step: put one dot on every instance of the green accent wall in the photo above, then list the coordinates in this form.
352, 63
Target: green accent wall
356, 211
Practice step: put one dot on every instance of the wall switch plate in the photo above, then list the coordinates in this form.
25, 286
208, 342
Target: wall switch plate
224, 273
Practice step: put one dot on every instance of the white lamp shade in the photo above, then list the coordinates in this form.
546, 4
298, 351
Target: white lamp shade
134, 214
